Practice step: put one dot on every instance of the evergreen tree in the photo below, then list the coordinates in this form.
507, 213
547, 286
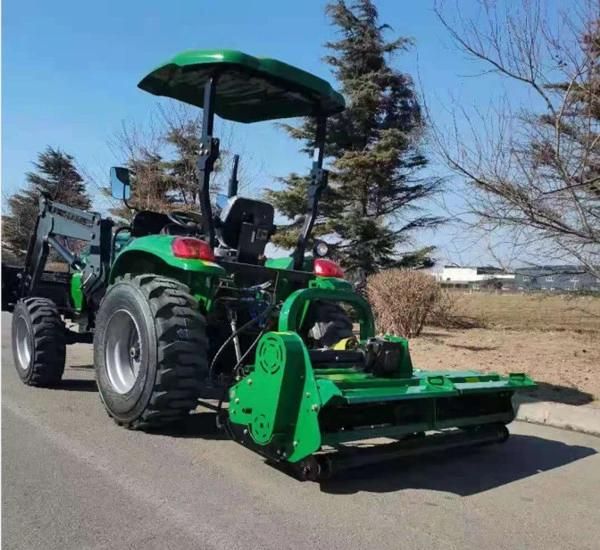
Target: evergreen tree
184, 138
56, 177
371, 207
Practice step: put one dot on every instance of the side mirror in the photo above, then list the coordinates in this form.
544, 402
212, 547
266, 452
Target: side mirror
120, 183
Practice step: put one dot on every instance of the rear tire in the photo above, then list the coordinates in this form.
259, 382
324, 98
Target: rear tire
150, 350
330, 323
38, 342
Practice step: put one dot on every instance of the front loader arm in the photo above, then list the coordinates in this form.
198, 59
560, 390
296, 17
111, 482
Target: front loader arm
57, 220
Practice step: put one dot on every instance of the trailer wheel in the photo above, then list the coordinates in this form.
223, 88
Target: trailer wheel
38, 342
150, 350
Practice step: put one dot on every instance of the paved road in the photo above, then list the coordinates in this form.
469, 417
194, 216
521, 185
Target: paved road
71, 479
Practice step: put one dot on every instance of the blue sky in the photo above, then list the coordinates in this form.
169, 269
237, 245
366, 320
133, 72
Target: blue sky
70, 69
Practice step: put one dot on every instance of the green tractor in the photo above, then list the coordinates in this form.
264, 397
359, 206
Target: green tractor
178, 303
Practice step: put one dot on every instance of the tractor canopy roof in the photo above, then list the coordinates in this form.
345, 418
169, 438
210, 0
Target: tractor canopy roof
249, 89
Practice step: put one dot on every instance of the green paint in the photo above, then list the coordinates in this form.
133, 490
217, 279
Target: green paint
77, 292
283, 400
153, 254
158, 247
414, 427
331, 283
285, 262
249, 89
290, 317
279, 401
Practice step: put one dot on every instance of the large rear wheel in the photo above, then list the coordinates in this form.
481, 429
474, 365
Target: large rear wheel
329, 322
38, 342
149, 351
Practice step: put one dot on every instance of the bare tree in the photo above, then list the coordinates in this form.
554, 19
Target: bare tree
162, 153
532, 171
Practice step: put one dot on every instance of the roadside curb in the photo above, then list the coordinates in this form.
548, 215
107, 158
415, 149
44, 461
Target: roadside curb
580, 419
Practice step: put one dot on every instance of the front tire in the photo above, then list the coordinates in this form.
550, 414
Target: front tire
38, 342
149, 351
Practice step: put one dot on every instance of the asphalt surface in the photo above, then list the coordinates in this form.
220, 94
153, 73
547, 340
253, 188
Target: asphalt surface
71, 479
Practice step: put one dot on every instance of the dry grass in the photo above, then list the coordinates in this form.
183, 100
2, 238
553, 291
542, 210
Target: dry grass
531, 311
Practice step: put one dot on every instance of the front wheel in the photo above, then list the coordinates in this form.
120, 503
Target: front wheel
149, 351
38, 342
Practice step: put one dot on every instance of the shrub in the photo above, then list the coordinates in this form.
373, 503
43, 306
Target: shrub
402, 300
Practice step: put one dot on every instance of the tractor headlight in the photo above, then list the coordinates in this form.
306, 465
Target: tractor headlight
321, 249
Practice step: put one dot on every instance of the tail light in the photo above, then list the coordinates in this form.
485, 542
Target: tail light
327, 268
192, 248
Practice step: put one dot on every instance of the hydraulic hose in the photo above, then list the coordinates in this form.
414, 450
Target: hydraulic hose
246, 325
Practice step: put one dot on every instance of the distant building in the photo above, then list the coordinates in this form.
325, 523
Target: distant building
556, 278
550, 278
459, 276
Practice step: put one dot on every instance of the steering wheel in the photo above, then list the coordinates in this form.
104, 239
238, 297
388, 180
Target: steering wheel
189, 220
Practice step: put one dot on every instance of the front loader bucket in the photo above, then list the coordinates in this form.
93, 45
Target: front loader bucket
294, 404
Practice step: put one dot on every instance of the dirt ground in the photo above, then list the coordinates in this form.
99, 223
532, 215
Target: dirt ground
566, 364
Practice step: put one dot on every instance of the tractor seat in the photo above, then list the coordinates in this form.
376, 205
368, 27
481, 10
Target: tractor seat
147, 222
246, 226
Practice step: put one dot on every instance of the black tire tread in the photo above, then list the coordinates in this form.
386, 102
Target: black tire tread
49, 343
181, 354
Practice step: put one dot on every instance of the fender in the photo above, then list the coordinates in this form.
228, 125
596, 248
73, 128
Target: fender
157, 250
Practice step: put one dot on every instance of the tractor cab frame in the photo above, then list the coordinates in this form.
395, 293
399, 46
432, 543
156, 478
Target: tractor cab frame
243, 88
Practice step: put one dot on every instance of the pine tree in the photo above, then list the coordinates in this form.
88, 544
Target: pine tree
185, 139
371, 207
55, 176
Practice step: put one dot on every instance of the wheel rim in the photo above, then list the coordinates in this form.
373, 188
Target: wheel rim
122, 351
23, 338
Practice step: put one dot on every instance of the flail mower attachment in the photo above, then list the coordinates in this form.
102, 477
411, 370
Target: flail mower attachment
311, 408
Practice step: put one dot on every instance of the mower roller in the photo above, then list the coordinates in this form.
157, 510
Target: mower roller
182, 302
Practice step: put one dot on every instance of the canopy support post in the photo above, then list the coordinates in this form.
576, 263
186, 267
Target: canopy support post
209, 153
318, 182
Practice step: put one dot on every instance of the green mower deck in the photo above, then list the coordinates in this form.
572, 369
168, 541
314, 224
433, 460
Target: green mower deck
294, 402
